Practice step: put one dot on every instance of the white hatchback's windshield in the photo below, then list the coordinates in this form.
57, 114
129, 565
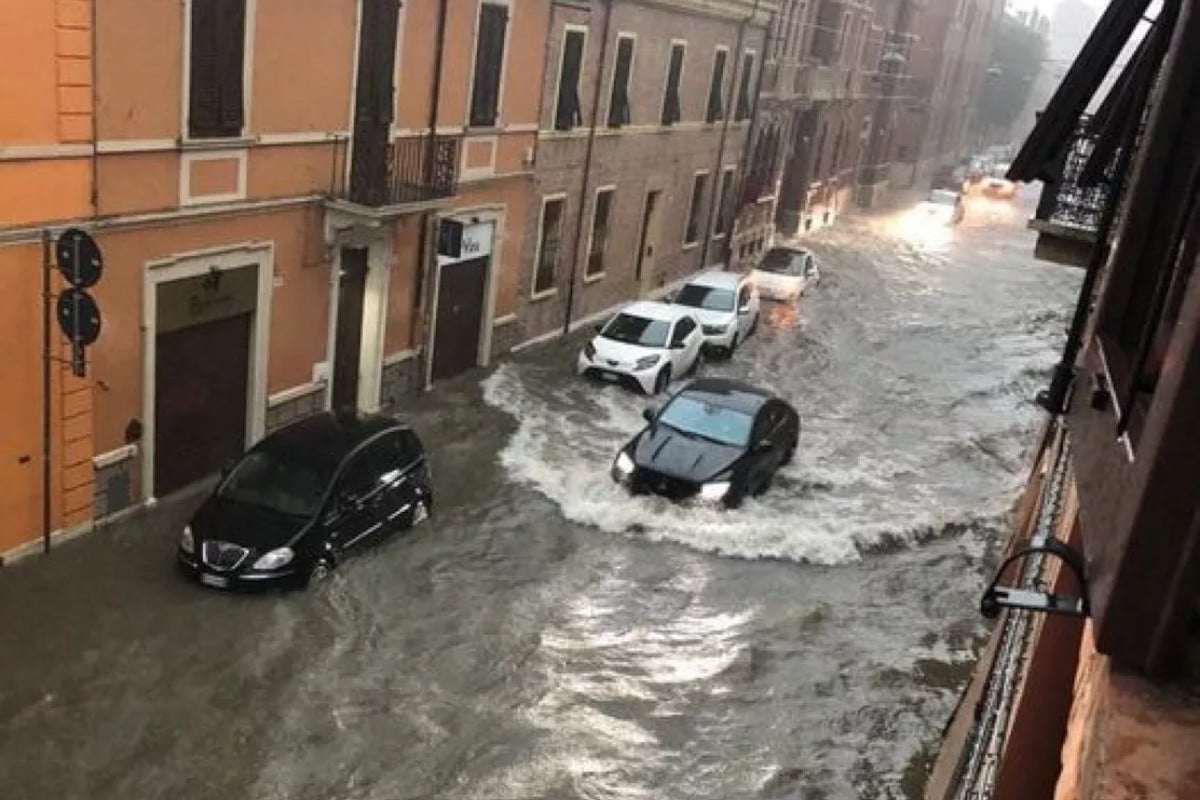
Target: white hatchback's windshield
631, 329
707, 420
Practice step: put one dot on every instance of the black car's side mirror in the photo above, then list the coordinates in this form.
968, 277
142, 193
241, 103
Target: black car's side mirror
649, 414
227, 467
765, 446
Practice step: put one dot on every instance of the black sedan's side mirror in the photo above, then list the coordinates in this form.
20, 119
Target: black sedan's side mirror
765, 446
649, 414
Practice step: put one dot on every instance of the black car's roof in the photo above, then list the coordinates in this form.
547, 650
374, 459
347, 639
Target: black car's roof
330, 435
728, 393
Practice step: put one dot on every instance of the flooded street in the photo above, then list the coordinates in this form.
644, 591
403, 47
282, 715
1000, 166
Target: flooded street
545, 636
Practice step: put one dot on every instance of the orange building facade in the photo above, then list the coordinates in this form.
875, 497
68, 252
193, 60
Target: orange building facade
266, 180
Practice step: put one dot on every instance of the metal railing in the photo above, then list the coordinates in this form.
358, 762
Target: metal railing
1064, 202
416, 169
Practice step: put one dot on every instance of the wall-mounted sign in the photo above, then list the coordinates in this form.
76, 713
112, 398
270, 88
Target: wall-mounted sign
476, 243
217, 294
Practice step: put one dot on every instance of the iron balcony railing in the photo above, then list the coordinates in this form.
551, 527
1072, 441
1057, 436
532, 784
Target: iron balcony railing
412, 170
1064, 202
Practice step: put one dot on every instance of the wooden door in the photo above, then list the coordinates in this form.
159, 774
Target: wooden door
347, 353
647, 242
459, 317
200, 387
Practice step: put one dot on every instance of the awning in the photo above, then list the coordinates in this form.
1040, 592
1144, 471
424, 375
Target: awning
1058, 121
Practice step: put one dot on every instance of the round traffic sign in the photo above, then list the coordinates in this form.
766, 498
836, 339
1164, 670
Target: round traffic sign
78, 316
79, 258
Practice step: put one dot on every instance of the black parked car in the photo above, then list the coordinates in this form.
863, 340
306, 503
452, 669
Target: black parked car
717, 440
289, 509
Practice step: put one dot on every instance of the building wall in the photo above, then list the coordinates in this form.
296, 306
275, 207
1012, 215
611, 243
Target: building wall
641, 156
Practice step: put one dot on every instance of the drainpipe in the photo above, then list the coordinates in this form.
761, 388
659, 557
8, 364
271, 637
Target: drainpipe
587, 165
713, 212
424, 254
95, 193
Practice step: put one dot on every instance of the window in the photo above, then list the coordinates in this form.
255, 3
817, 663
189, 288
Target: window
671, 112
683, 329
799, 31
724, 198
218, 39
619, 112
743, 98
549, 245
716, 89
862, 44
599, 240
691, 234
489, 61
843, 35
567, 112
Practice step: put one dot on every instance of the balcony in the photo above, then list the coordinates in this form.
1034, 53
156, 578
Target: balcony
393, 177
1068, 214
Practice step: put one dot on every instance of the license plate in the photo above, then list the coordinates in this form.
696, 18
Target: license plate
213, 580
610, 377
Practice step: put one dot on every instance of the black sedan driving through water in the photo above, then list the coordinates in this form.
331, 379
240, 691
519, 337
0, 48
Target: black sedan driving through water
297, 502
717, 441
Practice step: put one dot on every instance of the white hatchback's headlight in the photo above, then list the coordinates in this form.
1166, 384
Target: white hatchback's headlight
624, 464
274, 559
714, 491
186, 543
645, 363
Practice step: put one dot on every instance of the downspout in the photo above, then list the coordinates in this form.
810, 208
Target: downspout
416, 318
95, 193
734, 88
587, 165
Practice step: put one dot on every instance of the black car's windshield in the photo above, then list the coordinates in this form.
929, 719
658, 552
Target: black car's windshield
707, 297
278, 481
638, 330
783, 262
719, 423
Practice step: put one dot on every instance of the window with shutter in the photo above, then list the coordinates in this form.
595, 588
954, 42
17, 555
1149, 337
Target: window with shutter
716, 89
216, 68
567, 111
618, 104
671, 105
599, 241
489, 61
743, 99
549, 246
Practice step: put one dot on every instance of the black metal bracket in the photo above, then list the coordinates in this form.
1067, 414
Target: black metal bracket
1054, 399
997, 597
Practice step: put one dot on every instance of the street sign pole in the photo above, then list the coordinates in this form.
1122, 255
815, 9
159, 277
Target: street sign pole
47, 265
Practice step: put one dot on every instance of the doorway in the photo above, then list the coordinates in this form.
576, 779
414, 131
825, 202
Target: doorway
461, 294
647, 241
347, 355
200, 400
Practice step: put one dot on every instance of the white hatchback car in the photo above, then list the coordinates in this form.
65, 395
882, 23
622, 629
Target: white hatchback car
785, 273
726, 305
643, 347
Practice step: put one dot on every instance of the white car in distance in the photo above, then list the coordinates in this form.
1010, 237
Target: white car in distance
785, 273
725, 304
643, 347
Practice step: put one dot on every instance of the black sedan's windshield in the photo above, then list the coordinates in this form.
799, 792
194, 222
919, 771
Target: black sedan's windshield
278, 481
718, 423
782, 262
638, 330
706, 297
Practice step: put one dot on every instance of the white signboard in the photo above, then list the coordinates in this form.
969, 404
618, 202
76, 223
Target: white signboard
476, 243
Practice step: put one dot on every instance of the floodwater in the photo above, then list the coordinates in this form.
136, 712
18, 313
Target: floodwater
545, 636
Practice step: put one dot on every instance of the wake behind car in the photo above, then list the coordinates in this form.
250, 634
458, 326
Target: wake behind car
643, 347
717, 441
725, 304
304, 497
785, 273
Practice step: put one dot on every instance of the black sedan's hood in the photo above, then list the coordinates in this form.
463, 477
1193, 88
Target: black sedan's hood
248, 525
666, 450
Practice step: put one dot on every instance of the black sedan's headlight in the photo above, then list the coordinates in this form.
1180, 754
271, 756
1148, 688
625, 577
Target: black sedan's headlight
623, 467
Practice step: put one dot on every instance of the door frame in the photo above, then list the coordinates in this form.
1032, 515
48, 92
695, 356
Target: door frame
189, 265
380, 260
645, 225
494, 214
